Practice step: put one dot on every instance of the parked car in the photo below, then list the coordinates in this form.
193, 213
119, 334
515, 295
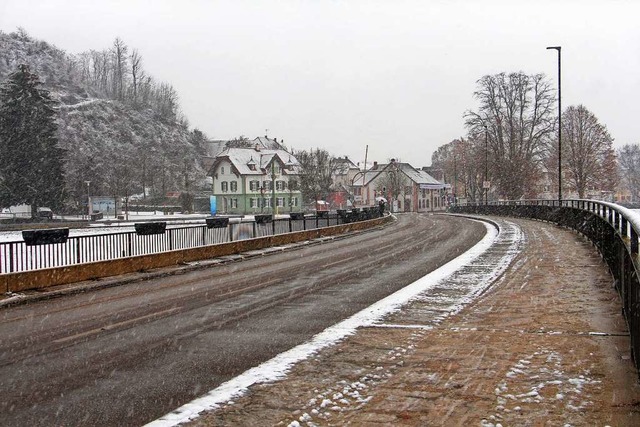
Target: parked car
45, 213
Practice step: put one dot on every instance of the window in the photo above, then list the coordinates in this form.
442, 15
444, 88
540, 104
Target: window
224, 185
234, 186
293, 201
267, 185
280, 185
222, 170
280, 202
253, 202
266, 202
252, 166
254, 185
234, 203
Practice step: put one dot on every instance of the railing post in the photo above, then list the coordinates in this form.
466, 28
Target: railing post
610, 215
78, 241
11, 267
634, 241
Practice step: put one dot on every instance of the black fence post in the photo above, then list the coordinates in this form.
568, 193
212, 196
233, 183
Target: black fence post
11, 258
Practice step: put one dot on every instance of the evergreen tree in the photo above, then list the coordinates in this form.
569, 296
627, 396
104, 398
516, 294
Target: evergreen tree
31, 169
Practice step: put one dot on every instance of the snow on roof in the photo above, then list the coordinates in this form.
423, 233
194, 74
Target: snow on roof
215, 147
269, 144
418, 176
241, 158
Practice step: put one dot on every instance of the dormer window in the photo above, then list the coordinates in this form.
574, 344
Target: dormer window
222, 170
251, 164
289, 164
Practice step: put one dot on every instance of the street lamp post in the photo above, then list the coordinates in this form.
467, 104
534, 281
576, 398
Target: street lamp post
455, 175
486, 165
558, 48
88, 200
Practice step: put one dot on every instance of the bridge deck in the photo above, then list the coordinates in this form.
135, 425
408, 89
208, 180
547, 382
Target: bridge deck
544, 344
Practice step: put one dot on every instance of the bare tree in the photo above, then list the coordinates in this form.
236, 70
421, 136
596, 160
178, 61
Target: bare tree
100, 70
517, 112
392, 183
84, 61
119, 65
462, 164
586, 151
136, 75
629, 164
165, 101
317, 168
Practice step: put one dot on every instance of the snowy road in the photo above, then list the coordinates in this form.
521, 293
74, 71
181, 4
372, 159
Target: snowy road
129, 354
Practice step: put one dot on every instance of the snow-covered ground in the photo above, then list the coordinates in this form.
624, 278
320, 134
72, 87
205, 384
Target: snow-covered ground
278, 367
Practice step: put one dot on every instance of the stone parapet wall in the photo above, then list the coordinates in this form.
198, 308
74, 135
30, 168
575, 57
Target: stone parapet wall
44, 278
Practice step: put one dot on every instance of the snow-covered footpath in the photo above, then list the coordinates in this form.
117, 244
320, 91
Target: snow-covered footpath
278, 367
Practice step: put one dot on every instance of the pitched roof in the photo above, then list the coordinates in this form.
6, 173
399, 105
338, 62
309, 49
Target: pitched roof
241, 158
418, 176
270, 144
214, 147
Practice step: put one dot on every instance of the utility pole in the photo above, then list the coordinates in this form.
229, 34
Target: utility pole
486, 165
559, 48
455, 175
88, 199
273, 193
364, 173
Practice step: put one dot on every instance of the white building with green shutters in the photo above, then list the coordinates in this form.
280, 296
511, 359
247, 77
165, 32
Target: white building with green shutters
244, 180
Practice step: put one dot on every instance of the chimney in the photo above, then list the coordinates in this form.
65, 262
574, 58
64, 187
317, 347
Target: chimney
375, 165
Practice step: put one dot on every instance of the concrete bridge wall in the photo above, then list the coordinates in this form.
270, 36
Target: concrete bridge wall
37, 279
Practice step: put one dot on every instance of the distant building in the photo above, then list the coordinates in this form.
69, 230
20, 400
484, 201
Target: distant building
243, 179
341, 196
421, 192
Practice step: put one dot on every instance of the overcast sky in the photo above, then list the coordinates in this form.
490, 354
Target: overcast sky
394, 75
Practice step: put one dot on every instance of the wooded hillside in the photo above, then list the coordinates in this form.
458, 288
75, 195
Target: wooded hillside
121, 130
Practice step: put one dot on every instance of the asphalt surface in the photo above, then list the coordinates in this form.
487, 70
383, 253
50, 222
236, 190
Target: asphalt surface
125, 355
529, 333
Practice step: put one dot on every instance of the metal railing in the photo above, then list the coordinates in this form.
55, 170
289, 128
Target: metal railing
613, 229
18, 255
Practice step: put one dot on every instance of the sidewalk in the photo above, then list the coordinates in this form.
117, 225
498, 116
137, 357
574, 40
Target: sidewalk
543, 344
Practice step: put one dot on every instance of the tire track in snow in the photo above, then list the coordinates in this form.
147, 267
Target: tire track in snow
471, 273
